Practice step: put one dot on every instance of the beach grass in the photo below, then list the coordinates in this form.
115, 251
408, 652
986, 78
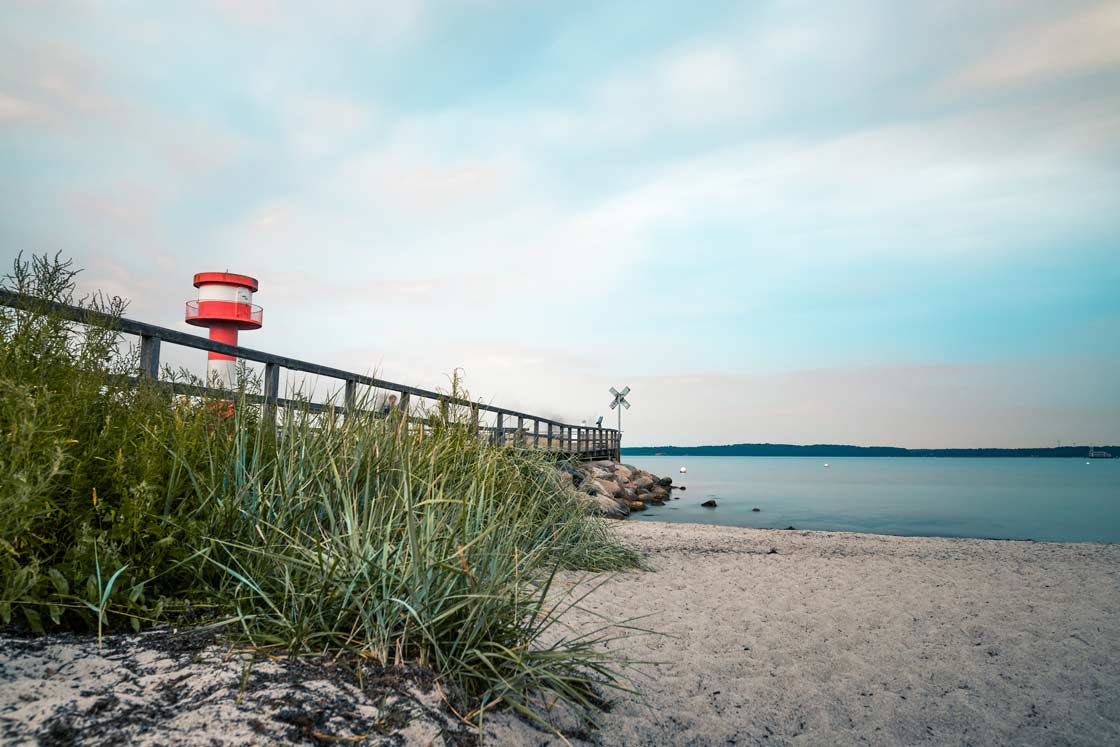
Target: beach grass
126, 505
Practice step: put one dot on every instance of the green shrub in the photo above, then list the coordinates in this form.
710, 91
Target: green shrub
319, 532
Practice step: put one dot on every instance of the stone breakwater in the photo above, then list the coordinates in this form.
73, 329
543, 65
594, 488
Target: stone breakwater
613, 489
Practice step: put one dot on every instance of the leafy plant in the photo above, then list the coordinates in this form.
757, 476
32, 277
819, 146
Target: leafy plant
402, 539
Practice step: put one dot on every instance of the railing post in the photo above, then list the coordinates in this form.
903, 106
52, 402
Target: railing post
404, 406
571, 440
499, 431
149, 357
521, 430
271, 392
549, 436
536, 433
350, 396
474, 419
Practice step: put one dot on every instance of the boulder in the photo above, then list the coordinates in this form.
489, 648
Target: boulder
599, 472
709, 504
607, 486
662, 493
636, 506
656, 502
605, 506
623, 471
756, 509
645, 481
621, 479
577, 476
665, 482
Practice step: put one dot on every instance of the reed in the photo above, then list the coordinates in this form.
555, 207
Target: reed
317, 533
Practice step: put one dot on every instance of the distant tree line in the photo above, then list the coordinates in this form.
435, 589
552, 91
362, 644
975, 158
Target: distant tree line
842, 450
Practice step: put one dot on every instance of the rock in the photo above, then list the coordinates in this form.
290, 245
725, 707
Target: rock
788, 528
644, 482
709, 504
610, 509
665, 482
621, 479
660, 491
756, 509
772, 551
605, 506
610, 488
679, 487
636, 506
576, 475
623, 471
565, 477
656, 502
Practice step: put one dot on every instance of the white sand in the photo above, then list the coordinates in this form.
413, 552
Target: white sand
836, 639
864, 639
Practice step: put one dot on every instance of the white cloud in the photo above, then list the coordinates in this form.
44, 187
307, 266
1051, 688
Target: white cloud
1082, 42
387, 23
12, 108
318, 124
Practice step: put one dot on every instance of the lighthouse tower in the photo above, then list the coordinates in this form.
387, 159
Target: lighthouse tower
225, 305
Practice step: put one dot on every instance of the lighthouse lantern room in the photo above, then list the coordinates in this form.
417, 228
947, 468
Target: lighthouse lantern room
225, 305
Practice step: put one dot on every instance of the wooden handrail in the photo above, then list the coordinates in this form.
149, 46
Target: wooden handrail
151, 336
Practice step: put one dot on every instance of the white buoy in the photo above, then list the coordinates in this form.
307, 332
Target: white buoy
826, 465
684, 470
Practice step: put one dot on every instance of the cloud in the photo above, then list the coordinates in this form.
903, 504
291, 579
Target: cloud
374, 22
1082, 42
12, 108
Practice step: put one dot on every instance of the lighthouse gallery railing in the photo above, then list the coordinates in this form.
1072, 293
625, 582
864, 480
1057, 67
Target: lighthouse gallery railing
533, 431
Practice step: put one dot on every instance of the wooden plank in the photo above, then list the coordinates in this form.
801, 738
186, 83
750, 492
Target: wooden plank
149, 357
271, 392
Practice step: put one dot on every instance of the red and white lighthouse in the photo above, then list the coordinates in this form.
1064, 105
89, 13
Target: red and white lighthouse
225, 305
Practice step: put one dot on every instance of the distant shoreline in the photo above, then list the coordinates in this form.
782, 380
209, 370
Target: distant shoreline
844, 450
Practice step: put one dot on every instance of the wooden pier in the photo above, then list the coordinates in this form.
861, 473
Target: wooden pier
503, 426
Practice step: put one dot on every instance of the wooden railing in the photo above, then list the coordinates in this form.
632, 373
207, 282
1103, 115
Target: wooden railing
511, 427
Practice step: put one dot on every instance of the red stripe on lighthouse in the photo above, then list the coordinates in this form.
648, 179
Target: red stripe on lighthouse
223, 332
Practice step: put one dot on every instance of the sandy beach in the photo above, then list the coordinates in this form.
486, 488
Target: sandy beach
840, 638
763, 637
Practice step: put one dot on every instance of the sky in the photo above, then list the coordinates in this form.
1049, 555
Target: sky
877, 223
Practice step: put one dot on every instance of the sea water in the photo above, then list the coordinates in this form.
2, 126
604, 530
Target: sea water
1057, 500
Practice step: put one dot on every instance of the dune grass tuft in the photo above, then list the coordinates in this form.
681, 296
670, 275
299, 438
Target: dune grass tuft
373, 536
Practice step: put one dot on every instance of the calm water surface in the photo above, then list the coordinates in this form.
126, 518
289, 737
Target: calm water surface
1058, 500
